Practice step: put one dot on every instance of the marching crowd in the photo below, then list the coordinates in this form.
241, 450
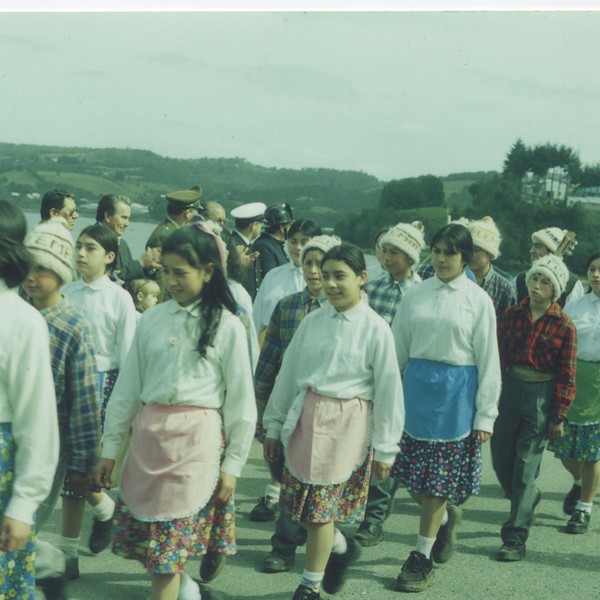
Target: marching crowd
155, 375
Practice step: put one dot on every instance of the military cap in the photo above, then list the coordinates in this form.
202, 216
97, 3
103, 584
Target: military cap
253, 210
186, 198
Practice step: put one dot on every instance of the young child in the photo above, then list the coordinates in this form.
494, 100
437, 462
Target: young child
29, 442
108, 308
338, 375
189, 365
538, 353
75, 380
145, 294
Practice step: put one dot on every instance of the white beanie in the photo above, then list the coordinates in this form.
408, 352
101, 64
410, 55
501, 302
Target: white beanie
486, 236
554, 269
407, 237
558, 241
51, 246
320, 242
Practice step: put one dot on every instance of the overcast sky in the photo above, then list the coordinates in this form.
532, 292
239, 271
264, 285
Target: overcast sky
391, 94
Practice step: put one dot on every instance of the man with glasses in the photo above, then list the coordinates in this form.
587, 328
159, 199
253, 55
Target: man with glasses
58, 203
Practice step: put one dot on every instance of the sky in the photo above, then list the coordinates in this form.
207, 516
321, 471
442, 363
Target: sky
393, 94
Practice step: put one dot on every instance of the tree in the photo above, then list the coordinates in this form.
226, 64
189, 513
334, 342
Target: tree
518, 160
413, 192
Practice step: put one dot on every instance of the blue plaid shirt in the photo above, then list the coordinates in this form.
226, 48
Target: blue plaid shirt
385, 294
76, 385
499, 290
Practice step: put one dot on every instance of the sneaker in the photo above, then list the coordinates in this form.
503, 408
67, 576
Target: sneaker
336, 570
443, 547
417, 573
277, 562
54, 588
570, 501
100, 536
579, 522
72, 569
267, 509
511, 552
304, 593
212, 564
369, 534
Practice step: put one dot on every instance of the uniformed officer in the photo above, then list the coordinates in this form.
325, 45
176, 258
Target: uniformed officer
277, 221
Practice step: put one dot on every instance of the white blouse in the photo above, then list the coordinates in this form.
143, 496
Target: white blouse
164, 367
343, 355
585, 313
27, 402
110, 311
453, 323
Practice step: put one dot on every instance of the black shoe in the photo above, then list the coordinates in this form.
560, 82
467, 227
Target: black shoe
571, 499
72, 568
511, 552
337, 567
579, 522
100, 536
443, 547
212, 564
54, 588
369, 534
267, 509
207, 594
304, 593
417, 573
277, 562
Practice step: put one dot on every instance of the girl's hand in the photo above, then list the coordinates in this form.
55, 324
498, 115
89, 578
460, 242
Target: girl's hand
103, 473
271, 449
80, 483
381, 470
555, 432
13, 534
482, 436
226, 486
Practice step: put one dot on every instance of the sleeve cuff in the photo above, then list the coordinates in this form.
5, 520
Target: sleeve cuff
274, 434
232, 467
484, 424
22, 510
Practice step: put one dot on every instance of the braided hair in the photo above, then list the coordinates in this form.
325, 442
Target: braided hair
15, 259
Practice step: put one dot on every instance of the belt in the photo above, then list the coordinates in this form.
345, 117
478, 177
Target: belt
529, 374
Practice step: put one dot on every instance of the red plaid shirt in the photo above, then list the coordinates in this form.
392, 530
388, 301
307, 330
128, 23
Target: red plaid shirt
549, 345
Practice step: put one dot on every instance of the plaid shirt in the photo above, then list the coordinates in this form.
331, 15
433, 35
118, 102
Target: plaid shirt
285, 319
385, 294
76, 385
549, 345
499, 290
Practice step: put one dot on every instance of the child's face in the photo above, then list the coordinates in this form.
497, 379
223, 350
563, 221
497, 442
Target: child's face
448, 264
541, 290
395, 262
183, 281
149, 296
92, 258
311, 269
342, 285
295, 245
593, 275
42, 285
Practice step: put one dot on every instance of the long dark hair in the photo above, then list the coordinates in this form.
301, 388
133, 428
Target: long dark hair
15, 260
106, 237
199, 249
306, 226
458, 239
348, 253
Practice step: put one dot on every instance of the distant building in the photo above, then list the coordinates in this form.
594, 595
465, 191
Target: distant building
552, 187
589, 202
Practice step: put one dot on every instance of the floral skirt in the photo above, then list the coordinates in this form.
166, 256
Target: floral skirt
344, 502
445, 469
107, 383
17, 575
163, 547
579, 442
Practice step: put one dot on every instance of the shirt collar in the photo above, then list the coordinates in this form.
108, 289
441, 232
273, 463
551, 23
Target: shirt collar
192, 309
352, 314
99, 284
594, 298
45, 312
488, 275
246, 240
171, 221
455, 284
554, 310
306, 298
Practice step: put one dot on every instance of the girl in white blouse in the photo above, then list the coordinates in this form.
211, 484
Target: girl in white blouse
187, 390
336, 402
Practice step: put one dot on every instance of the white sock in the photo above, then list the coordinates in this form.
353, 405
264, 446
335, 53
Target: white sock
70, 546
424, 545
188, 589
577, 482
312, 580
584, 506
444, 518
339, 543
272, 492
105, 509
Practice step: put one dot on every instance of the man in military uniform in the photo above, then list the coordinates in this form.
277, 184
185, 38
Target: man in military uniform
277, 221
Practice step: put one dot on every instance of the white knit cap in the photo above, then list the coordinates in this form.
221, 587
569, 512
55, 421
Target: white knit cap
407, 237
486, 236
558, 241
554, 269
320, 242
52, 247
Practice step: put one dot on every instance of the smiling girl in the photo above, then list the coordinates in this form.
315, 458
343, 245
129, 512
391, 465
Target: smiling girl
187, 379
336, 402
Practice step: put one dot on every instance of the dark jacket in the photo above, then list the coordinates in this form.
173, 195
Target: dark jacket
271, 255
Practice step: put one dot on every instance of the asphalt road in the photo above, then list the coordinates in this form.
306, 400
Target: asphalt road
558, 565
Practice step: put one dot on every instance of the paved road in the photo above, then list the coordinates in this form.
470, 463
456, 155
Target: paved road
558, 565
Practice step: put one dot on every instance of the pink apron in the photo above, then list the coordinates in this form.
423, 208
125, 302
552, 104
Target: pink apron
173, 464
330, 441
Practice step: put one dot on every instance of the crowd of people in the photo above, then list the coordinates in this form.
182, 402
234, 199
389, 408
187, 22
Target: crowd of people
155, 375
